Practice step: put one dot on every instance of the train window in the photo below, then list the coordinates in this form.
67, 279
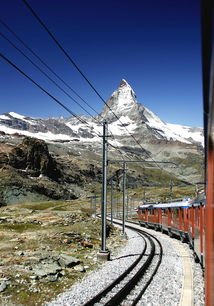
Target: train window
151, 211
175, 213
163, 211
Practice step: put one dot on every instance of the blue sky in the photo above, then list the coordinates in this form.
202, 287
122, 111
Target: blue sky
154, 45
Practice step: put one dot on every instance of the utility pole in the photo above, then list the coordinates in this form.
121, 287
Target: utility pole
124, 198
127, 205
104, 254
196, 190
131, 206
124, 162
95, 204
112, 200
171, 190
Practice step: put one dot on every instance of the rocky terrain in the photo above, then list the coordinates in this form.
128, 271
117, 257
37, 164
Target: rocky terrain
30, 173
61, 158
33, 171
46, 247
50, 185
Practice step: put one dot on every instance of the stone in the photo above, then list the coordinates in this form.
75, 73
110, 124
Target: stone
67, 241
79, 268
33, 155
87, 244
3, 219
3, 285
33, 277
20, 253
42, 270
52, 278
68, 261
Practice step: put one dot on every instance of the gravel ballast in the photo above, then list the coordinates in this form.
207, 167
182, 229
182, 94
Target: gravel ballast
165, 289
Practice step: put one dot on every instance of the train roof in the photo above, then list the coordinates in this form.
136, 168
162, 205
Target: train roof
184, 203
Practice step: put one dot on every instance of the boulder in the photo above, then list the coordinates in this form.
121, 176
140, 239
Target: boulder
45, 269
32, 155
67, 261
87, 244
79, 268
3, 284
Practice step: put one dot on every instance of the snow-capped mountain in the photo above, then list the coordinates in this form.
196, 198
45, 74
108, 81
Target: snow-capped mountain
123, 113
137, 117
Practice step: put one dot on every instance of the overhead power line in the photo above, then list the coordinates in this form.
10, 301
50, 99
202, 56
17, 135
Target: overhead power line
40, 87
44, 73
79, 70
61, 48
51, 70
50, 95
45, 64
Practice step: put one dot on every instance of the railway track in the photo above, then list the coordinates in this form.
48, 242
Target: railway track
128, 288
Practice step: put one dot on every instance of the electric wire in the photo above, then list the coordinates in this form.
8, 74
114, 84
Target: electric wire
44, 90
115, 147
51, 96
14, 34
47, 76
61, 48
82, 74
45, 64
50, 69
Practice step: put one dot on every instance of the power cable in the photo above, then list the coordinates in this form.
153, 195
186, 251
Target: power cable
50, 95
45, 91
82, 74
61, 48
45, 64
47, 76
50, 69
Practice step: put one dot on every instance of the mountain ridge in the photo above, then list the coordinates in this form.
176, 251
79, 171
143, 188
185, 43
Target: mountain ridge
129, 113
77, 149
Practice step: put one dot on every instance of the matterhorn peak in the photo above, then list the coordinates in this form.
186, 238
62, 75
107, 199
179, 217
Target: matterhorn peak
125, 91
123, 83
122, 102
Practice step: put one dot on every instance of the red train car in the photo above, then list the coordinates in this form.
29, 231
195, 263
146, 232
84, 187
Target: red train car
181, 218
197, 221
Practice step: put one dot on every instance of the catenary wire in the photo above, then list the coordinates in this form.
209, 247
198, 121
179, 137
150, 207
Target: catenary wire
51, 96
45, 64
50, 69
61, 48
40, 87
83, 75
47, 76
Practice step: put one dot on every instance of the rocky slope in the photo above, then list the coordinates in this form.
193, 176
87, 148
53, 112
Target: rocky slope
28, 172
77, 150
31, 156
139, 119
